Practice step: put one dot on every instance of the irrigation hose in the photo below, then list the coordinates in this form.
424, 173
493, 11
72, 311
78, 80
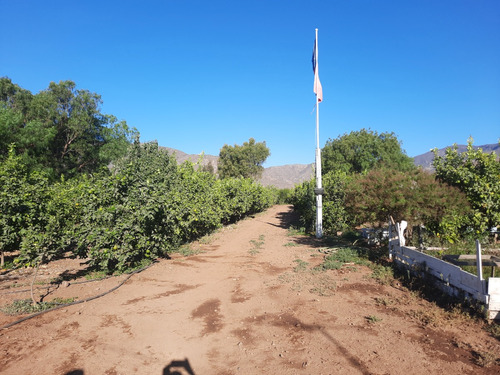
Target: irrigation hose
77, 302
48, 287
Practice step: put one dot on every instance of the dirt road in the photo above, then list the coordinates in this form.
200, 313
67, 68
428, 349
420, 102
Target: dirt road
247, 303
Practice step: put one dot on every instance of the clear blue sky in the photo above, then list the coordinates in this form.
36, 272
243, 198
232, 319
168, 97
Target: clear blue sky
196, 75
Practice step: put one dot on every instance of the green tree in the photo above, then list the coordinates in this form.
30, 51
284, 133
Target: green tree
477, 174
412, 196
243, 161
360, 151
14, 104
84, 138
14, 97
60, 130
22, 201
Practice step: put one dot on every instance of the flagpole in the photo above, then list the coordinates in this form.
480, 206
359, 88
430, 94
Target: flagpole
319, 189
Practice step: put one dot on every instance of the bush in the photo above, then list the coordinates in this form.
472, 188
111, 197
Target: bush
412, 196
304, 202
145, 208
23, 199
475, 173
335, 217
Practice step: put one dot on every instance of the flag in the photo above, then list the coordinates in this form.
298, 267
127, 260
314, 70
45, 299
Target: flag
318, 90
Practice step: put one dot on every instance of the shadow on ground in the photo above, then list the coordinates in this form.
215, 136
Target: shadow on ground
176, 367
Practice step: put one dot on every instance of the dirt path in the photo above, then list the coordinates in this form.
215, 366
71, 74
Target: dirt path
247, 304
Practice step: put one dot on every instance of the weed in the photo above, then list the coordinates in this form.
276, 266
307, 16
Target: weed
94, 275
207, 239
257, 245
291, 244
323, 286
383, 274
316, 270
484, 359
373, 319
494, 329
294, 231
26, 306
330, 264
346, 255
301, 265
141, 264
285, 277
384, 301
186, 250
427, 318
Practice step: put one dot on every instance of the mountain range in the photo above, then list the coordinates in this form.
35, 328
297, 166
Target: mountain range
287, 176
425, 160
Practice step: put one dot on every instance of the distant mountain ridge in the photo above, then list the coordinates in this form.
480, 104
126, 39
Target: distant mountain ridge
425, 160
282, 177
287, 176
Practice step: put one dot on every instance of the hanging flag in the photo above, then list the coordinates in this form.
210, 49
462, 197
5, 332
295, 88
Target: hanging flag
318, 90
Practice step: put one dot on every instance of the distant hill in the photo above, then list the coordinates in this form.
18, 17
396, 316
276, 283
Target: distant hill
282, 177
287, 176
181, 157
425, 160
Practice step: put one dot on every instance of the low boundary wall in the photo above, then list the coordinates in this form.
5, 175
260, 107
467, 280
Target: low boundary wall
450, 278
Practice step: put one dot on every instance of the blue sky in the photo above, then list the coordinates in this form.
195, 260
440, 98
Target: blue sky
196, 75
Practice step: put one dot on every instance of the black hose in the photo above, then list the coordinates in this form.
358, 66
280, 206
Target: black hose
47, 287
76, 302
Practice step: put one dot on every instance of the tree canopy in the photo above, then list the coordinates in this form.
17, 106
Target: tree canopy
413, 196
60, 130
360, 151
477, 174
243, 161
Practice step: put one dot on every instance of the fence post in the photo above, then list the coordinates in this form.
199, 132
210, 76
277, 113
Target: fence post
390, 239
479, 265
401, 229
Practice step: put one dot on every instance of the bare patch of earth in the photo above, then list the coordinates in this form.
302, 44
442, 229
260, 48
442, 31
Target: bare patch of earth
249, 302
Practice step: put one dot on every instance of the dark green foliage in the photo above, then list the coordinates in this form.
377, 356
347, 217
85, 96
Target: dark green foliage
477, 174
71, 180
304, 202
352, 200
147, 207
335, 217
239, 197
23, 199
243, 161
60, 130
284, 196
360, 151
15, 98
413, 196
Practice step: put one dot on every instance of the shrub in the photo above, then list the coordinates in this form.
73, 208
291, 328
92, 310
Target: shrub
146, 207
476, 173
413, 196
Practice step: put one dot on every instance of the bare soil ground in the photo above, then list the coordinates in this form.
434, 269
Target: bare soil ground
247, 303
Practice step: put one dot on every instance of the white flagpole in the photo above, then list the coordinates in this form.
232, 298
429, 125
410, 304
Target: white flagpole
319, 188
